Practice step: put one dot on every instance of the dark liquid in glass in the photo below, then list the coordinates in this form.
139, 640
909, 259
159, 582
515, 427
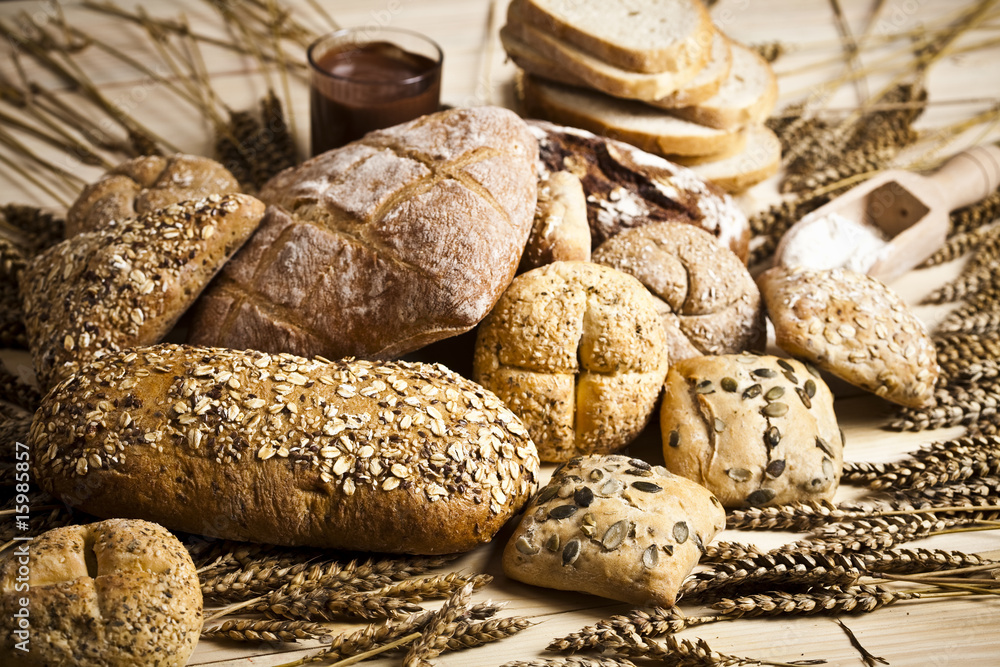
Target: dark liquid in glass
370, 86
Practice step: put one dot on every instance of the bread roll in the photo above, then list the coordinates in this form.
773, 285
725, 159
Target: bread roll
118, 593
577, 351
378, 248
370, 456
752, 429
708, 302
127, 283
560, 231
144, 184
627, 187
856, 328
614, 526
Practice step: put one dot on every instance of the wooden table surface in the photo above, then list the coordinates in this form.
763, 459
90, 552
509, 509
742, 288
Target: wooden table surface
963, 631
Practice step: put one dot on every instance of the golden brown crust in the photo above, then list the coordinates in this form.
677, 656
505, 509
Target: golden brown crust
276, 448
706, 298
577, 351
856, 328
754, 430
144, 184
127, 283
560, 231
614, 526
376, 249
118, 593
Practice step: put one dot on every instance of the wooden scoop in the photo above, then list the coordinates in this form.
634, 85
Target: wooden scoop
892, 222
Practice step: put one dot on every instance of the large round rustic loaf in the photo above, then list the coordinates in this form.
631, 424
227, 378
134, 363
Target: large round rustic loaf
118, 593
378, 248
145, 184
377, 456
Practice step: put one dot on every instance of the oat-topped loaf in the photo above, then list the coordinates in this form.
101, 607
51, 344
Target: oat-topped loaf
577, 351
118, 593
127, 283
243, 445
381, 247
856, 328
628, 187
706, 298
144, 184
614, 526
753, 429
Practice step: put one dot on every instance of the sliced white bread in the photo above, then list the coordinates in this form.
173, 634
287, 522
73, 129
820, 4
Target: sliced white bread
758, 161
747, 96
541, 53
637, 35
633, 122
709, 80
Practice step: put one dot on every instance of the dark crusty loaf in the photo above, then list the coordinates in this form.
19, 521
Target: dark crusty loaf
118, 593
383, 246
627, 187
127, 283
379, 456
144, 184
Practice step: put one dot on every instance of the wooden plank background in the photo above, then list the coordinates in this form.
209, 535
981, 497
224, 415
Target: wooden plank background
946, 632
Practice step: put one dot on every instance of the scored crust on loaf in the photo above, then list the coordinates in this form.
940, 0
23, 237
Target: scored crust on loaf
144, 184
127, 283
120, 593
376, 249
856, 328
243, 445
616, 527
577, 351
544, 54
627, 187
706, 298
753, 429
637, 123
639, 35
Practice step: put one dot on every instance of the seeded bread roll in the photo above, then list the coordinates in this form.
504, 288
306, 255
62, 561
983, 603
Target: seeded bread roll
577, 351
627, 187
754, 430
386, 245
119, 593
127, 283
560, 231
706, 298
616, 527
856, 328
144, 184
242, 445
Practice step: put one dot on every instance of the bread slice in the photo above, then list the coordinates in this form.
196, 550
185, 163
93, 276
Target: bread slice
633, 122
709, 80
747, 97
758, 161
639, 35
543, 54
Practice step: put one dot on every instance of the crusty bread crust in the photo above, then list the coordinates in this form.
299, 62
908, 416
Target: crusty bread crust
118, 593
560, 231
378, 248
375, 456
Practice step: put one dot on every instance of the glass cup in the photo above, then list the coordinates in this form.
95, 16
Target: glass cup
364, 79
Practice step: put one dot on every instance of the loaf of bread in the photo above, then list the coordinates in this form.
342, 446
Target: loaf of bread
627, 187
706, 298
854, 327
243, 445
118, 593
128, 282
144, 184
560, 231
753, 429
616, 527
378, 248
577, 351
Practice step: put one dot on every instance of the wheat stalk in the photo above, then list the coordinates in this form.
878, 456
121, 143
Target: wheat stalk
443, 621
266, 631
831, 600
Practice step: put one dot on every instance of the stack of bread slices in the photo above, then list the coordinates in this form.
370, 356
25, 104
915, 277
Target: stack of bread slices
654, 73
